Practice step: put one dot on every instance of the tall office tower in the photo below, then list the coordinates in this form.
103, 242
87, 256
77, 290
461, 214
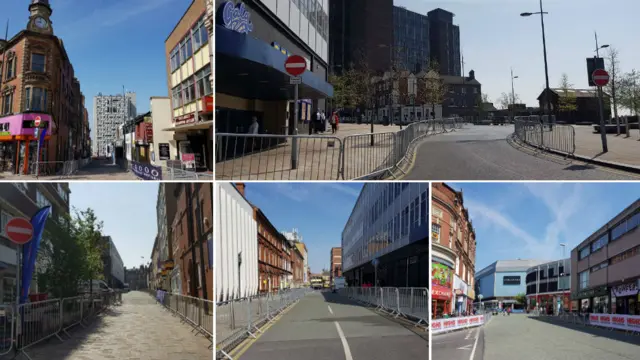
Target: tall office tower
109, 111
444, 42
411, 39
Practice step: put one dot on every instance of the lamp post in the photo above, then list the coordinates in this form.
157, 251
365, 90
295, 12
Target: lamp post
603, 131
513, 94
542, 13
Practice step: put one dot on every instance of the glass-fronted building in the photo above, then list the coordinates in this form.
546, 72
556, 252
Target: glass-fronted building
388, 227
549, 287
411, 39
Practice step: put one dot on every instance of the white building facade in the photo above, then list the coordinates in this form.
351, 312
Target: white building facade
109, 111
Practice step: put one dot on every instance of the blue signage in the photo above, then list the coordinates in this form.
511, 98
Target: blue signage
235, 17
146, 171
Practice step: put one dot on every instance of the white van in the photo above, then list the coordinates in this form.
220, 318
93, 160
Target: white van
97, 286
339, 283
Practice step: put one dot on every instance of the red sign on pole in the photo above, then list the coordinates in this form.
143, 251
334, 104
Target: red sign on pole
19, 230
36, 122
295, 65
600, 77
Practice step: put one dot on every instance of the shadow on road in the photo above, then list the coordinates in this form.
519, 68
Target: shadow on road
594, 331
580, 167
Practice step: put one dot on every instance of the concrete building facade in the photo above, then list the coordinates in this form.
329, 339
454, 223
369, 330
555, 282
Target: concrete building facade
444, 42
113, 270
165, 212
549, 287
500, 283
606, 275
163, 146
109, 112
454, 252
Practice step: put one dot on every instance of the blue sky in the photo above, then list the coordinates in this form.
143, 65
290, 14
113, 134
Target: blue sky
128, 213
530, 220
495, 38
111, 43
318, 210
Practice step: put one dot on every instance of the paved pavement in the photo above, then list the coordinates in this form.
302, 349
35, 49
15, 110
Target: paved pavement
622, 149
523, 338
465, 344
326, 326
483, 153
96, 170
138, 329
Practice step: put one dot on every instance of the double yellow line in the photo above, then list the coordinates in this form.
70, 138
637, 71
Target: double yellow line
239, 350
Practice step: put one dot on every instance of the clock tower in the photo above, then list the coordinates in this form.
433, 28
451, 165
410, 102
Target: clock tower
40, 18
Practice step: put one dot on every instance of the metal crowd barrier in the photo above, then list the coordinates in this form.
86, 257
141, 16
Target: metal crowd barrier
320, 157
240, 319
172, 173
196, 312
409, 303
62, 169
545, 134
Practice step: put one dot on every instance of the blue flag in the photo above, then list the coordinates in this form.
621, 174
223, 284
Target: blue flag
43, 132
30, 251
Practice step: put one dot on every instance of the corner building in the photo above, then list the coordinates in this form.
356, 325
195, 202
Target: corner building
388, 227
453, 241
254, 38
606, 275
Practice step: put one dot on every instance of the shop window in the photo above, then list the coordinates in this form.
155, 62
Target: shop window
38, 62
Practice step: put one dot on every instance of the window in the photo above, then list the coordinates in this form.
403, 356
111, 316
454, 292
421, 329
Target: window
41, 200
618, 230
7, 104
435, 233
177, 99
38, 62
22, 186
600, 243
202, 79
189, 91
189, 51
183, 51
423, 208
4, 219
602, 265
584, 280
36, 99
584, 252
175, 58
11, 68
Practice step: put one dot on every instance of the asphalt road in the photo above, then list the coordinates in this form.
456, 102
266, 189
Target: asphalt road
326, 326
523, 338
459, 345
483, 153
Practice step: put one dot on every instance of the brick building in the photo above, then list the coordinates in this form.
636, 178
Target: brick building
192, 233
336, 263
273, 254
297, 266
453, 252
38, 85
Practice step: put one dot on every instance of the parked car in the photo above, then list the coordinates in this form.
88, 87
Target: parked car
126, 288
94, 287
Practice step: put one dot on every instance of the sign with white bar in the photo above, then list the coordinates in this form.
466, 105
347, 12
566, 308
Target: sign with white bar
295, 80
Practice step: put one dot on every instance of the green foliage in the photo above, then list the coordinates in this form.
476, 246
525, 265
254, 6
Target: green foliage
629, 91
71, 252
567, 101
432, 86
521, 299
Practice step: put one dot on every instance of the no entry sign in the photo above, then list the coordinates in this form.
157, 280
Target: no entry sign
19, 230
600, 77
295, 65
36, 122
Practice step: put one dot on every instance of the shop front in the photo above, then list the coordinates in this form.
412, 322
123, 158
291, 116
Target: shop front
443, 301
460, 289
255, 82
594, 300
625, 298
19, 144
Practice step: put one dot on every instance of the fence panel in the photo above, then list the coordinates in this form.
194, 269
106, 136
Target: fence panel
196, 311
7, 317
71, 312
278, 157
411, 303
39, 321
545, 134
369, 154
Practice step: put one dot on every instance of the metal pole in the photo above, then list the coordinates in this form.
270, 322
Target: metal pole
513, 95
294, 140
603, 131
546, 64
18, 320
36, 132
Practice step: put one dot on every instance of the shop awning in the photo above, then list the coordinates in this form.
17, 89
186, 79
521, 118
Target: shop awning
201, 125
250, 68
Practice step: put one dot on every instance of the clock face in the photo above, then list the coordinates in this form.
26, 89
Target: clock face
41, 23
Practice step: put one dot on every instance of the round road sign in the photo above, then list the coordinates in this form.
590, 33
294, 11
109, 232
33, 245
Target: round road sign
600, 77
19, 230
295, 65
36, 122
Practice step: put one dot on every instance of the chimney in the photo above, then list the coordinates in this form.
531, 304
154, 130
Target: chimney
240, 187
472, 75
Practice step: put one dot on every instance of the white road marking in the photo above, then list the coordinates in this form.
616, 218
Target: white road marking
466, 347
331, 311
475, 344
468, 335
345, 345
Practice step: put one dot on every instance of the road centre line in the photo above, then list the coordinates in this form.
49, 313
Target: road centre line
345, 345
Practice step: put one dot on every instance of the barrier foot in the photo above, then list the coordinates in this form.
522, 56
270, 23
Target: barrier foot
226, 356
59, 338
25, 355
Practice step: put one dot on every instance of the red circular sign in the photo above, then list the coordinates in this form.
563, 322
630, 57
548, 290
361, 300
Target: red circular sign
600, 77
19, 230
295, 65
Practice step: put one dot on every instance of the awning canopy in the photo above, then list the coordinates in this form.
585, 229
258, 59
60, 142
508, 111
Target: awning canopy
193, 126
250, 68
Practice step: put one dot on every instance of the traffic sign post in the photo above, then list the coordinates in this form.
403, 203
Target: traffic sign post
295, 65
600, 77
20, 232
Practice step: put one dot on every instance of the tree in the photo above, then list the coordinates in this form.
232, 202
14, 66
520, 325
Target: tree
432, 86
484, 97
629, 92
567, 96
521, 299
614, 77
71, 252
340, 90
507, 99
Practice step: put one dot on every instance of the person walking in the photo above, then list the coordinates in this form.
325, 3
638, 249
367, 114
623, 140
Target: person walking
323, 121
333, 120
253, 129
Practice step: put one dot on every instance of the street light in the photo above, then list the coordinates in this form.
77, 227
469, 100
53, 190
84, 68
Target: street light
603, 131
544, 49
513, 94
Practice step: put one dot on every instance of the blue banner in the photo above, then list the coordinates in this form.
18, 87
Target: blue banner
42, 134
146, 171
30, 251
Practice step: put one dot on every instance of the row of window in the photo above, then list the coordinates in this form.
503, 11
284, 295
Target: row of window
187, 47
312, 10
628, 224
35, 100
38, 64
543, 275
191, 90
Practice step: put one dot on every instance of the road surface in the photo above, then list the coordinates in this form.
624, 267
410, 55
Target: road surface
464, 344
483, 153
524, 338
138, 329
326, 326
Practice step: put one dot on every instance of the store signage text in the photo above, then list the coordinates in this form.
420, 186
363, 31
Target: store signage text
511, 280
625, 290
236, 17
621, 322
445, 325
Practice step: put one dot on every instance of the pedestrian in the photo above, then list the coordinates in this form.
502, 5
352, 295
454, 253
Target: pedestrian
253, 129
323, 121
316, 121
333, 121
508, 311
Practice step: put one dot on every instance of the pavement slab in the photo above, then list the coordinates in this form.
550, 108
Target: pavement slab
311, 329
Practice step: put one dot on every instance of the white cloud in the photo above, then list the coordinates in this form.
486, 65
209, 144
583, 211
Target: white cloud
343, 189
